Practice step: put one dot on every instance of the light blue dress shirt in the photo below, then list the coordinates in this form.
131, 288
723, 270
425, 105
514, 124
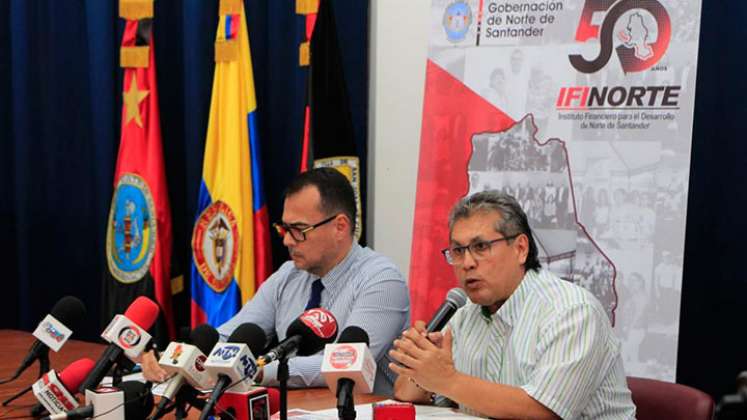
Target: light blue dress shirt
365, 289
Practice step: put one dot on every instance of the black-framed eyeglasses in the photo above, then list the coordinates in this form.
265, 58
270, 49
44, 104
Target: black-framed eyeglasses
298, 231
478, 250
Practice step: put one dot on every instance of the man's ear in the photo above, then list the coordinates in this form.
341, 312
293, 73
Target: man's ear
521, 245
342, 224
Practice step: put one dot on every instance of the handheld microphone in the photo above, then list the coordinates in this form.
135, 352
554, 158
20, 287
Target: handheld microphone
131, 400
455, 299
56, 392
186, 361
232, 363
305, 336
52, 332
128, 336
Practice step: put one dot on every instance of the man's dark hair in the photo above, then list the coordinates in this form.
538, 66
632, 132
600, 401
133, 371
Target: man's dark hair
513, 219
335, 192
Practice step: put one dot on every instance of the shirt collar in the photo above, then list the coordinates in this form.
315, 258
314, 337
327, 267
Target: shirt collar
330, 280
511, 308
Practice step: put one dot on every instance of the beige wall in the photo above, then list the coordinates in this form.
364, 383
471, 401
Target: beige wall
399, 40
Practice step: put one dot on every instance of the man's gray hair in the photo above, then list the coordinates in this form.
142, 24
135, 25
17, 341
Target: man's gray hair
513, 219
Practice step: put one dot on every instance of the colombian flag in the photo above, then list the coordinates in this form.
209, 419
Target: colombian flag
230, 241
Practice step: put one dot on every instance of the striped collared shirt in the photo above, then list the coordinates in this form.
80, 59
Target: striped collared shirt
365, 289
552, 339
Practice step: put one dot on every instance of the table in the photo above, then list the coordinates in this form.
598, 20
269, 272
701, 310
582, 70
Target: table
15, 344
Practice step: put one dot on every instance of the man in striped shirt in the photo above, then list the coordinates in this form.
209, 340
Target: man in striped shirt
528, 345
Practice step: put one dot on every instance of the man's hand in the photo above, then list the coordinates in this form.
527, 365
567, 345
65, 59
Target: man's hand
152, 371
427, 361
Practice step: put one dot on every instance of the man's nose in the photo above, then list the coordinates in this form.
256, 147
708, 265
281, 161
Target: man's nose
288, 239
469, 261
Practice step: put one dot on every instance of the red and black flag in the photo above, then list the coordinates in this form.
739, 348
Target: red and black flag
328, 138
138, 239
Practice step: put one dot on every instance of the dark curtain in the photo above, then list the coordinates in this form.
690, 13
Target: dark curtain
714, 287
60, 116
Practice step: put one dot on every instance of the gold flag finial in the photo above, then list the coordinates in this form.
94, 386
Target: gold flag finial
135, 9
229, 7
306, 7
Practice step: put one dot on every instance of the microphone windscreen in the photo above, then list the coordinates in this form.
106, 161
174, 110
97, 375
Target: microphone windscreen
142, 312
138, 400
457, 297
251, 335
204, 338
353, 334
316, 327
70, 311
74, 374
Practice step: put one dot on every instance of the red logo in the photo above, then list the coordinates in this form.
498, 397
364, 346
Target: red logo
129, 337
60, 397
642, 28
200, 363
321, 321
343, 356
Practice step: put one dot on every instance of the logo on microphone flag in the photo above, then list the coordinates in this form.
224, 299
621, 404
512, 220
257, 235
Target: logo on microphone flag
231, 241
343, 356
138, 240
321, 321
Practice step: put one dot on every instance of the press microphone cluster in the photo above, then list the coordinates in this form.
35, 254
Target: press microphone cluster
128, 337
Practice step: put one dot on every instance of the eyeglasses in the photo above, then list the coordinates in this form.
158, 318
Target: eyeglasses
478, 250
298, 232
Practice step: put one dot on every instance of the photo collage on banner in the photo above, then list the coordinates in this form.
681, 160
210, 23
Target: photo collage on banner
583, 111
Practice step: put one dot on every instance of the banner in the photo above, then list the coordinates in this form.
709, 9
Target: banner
583, 111
138, 239
230, 241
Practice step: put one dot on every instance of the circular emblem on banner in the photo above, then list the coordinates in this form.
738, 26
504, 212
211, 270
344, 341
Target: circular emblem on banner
321, 321
215, 245
131, 233
457, 20
343, 357
129, 337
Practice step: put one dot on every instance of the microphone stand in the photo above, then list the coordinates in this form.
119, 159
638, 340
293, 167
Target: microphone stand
189, 396
185, 396
123, 366
345, 401
283, 379
43, 368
